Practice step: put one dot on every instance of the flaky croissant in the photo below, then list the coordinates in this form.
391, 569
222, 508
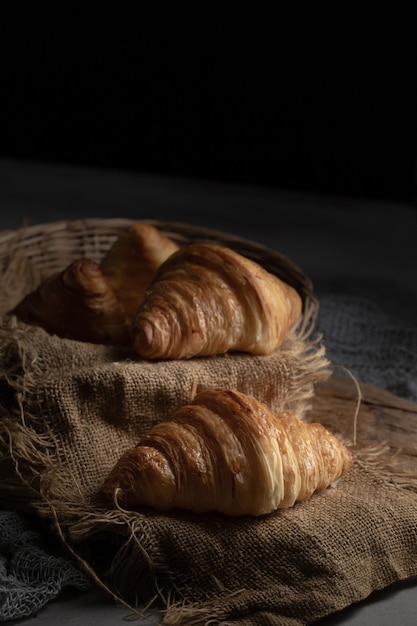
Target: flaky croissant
131, 263
77, 303
208, 299
227, 452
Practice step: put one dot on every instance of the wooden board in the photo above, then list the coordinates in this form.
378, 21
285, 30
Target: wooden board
382, 418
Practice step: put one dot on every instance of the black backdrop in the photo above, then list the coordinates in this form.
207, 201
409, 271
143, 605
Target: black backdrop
248, 116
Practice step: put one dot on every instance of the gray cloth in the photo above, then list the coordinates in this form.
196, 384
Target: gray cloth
376, 347
30, 576
358, 335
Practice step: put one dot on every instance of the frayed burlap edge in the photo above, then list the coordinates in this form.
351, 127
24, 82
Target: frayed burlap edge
308, 354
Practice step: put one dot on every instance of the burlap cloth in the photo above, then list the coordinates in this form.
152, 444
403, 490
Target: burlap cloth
70, 409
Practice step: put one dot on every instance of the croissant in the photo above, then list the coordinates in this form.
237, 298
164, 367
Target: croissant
226, 452
77, 303
208, 299
132, 261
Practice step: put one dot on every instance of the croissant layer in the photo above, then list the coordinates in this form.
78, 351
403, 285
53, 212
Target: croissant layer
227, 452
208, 299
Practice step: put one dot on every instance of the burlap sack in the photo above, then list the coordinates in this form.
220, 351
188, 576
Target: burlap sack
68, 410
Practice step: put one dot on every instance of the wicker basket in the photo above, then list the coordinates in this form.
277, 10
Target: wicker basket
42, 249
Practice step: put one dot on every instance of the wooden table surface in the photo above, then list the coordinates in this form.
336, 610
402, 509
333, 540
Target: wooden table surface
383, 417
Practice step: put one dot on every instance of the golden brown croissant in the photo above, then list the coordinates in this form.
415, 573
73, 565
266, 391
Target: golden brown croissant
228, 452
132, 261
77, 303
208, 299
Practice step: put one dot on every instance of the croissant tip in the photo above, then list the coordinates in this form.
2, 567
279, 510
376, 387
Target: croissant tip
104, 496
143, 338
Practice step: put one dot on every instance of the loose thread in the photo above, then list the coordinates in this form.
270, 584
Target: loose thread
90, 571
193, 390
358, 402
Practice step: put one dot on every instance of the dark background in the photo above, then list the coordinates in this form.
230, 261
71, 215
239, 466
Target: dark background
255, 114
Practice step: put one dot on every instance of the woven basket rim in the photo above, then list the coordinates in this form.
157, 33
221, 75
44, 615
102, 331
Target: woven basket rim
29, 239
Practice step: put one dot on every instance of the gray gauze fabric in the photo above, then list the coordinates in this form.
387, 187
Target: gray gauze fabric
30, 576
378, 348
